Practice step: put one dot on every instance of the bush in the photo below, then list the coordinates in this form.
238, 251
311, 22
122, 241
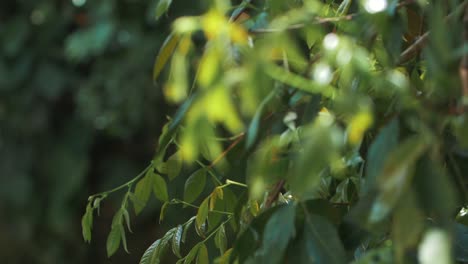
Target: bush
309, 132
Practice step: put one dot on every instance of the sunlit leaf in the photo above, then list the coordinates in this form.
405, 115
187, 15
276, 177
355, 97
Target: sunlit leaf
166, 51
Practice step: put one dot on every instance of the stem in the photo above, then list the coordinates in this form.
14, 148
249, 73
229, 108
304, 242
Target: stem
226, 151
420, 42
127, 184
177, 201
216, 230
229, 182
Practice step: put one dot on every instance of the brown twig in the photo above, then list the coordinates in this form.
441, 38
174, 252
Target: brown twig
421, 41
273, 195
226, 151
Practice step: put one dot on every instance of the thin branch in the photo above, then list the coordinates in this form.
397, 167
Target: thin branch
317, 21
415, 47
464, 63
226, 151
273, 195
421, 41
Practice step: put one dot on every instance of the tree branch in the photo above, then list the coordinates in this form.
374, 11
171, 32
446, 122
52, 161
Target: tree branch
464, 63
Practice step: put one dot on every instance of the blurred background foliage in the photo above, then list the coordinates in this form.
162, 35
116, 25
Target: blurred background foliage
79, 113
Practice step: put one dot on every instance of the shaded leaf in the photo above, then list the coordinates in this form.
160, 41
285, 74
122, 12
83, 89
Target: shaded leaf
188, 224
194, 185
160, 188
396, 176
252, 131
163, 211
202, 257
276, 239
113, 240
192, 254
127, 220
124, 238
176, 239
379, 150
150, 257
221, 240
202, 213
162, 7
87, 223
143, 191
173, 166
322, 241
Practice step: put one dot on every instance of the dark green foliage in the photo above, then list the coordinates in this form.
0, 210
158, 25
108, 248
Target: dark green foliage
310, 132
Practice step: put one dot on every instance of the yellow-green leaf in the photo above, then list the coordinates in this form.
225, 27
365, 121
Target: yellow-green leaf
143, 192
160, 188
164, 54
202, 213
87, 223
202, 257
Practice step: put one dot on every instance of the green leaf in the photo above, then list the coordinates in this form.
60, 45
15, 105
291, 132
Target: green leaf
220, 240
379, 150
396, 176
176, 239
202, 213
167, 49
407, 226
124, 238
160, 188
255, 123
87, 223
173, 166
461, 242
224, 259
150, 255
275, 239
127, 220
192, 254
162, 7
194, 185
163, 211
202, 257
323, 244
187, 226
113, 240
143, 192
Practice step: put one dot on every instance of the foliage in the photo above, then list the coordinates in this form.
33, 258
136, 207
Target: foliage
77, 115
310, 132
